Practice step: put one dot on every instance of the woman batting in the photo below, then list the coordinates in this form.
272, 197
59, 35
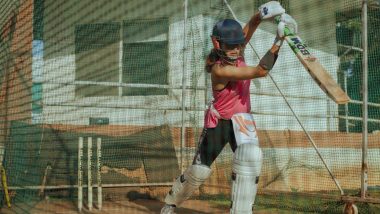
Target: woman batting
228, 118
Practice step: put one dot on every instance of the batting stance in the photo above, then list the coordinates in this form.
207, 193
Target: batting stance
228, 118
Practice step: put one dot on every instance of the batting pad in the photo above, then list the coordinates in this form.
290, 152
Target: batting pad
245, 174
187, 183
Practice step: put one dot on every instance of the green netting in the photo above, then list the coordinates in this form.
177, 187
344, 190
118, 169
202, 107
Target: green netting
39, 149
132, 73
59, 149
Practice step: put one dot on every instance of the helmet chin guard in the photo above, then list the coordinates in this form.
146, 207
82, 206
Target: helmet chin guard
226, 59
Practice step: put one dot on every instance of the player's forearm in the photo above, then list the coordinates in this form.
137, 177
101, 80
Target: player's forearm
269, 59
275, 49
238, 73
251, 27
254, 72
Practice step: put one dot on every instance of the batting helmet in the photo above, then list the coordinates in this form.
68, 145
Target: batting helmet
227, 31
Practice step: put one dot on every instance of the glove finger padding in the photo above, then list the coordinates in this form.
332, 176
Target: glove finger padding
289, 22
270, 10
280, 34
281, 29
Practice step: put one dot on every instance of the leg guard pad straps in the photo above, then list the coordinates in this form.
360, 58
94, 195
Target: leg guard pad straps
245, 173
187, 183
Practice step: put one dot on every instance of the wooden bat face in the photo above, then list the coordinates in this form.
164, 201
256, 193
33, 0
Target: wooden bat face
316, 70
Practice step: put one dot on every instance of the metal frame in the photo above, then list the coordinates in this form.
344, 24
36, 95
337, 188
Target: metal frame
183, 107
364, 175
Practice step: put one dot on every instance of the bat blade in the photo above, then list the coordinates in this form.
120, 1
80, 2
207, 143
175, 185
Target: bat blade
317, 71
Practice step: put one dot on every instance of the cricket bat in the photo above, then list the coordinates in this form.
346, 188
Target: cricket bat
315, 68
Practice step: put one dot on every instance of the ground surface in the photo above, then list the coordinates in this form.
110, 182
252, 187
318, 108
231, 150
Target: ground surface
151, 206
140, 206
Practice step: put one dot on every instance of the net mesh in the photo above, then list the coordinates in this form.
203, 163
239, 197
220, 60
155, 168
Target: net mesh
132, 73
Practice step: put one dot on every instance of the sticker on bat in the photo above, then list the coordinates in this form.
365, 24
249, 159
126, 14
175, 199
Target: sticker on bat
302, 48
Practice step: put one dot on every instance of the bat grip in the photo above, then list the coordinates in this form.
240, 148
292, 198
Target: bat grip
287, 31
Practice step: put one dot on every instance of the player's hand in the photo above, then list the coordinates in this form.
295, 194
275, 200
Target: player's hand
288, 21
280, 35
270, 10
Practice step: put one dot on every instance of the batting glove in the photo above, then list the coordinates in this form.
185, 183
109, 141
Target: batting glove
271, 9
288, 21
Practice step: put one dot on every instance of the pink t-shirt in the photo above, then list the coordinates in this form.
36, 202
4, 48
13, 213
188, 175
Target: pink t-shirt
234, 98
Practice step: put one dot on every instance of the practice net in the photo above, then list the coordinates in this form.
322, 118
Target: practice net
131, 73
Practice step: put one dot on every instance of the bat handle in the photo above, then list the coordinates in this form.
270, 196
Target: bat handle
287, 31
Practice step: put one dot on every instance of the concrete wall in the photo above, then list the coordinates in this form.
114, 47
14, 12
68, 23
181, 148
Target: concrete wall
61, 105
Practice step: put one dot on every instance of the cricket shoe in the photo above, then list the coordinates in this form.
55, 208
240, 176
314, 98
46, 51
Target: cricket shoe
168, 209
